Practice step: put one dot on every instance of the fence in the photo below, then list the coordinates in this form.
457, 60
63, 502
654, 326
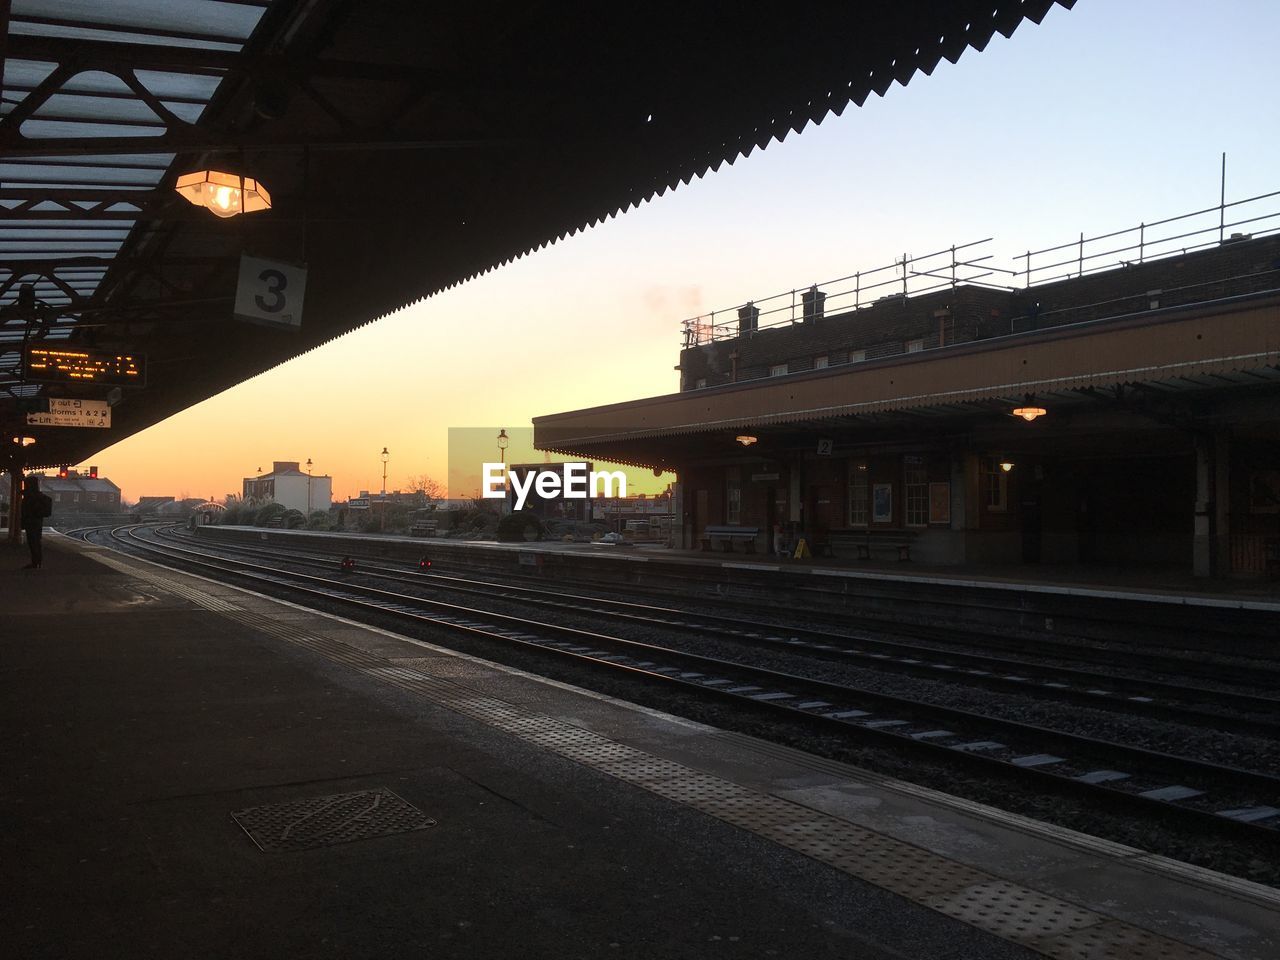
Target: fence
911, 276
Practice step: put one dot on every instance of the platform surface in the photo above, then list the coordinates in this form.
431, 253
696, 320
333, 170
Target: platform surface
395, 799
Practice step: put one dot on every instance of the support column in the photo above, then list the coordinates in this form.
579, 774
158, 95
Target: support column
1222, 504
15, 497
1202, 539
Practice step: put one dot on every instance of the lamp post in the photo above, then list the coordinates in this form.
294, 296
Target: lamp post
503, 440
308, 488
382, 515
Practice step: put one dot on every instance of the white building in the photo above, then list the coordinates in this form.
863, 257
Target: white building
289, 486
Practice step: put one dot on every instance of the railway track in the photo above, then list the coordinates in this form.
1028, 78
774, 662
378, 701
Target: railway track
1209, 798
1244, 711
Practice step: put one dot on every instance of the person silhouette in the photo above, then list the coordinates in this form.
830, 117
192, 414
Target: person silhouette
35, 507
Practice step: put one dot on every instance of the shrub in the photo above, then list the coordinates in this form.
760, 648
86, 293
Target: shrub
519, 526
293, 519
267, 514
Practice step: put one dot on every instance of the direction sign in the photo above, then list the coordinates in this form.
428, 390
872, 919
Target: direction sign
63, 365
73, 413
270, 292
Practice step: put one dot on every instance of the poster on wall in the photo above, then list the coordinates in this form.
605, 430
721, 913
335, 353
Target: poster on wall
882, 503
940, 502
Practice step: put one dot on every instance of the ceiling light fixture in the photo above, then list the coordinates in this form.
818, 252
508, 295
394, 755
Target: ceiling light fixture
1029, 413
1006, 465
746, 439
224, 194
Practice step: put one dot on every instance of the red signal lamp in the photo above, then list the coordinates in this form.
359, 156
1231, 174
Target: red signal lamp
424, 564
62, 473
93, 473
348, 564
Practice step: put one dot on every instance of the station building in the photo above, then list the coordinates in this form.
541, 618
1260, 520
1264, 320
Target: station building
289, 486
1149, 433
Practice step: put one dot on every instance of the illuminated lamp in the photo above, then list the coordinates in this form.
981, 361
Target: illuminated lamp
1029, 413
746, 439
1006, 465
24, 441
424, 564
348, 564
225, 194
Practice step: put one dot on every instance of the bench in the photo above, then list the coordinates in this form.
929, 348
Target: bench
728, 535
865, 541
423, 528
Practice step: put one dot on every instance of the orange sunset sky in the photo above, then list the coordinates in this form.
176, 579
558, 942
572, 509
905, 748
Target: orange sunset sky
1022, 143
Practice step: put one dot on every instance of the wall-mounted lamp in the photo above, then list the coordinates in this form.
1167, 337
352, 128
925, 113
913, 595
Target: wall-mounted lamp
225, 194
1006, 465
24, 441
1029, 413
746, 439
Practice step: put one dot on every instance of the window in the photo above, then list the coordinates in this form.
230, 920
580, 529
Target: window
915, 346
778, 370
733, 499
995, 486
915, 483
858, 493
819, 362
857, 356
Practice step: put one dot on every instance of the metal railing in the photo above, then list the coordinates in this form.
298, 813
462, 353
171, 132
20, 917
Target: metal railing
911, 276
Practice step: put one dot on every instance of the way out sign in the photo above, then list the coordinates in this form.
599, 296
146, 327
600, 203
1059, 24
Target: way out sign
73, 413
270, 292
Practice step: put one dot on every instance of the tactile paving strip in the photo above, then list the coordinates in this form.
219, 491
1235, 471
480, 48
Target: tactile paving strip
1114, 940
1014, 912
883, 861
325, 821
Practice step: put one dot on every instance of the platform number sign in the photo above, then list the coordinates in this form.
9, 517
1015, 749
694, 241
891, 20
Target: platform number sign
270, 292
825, 446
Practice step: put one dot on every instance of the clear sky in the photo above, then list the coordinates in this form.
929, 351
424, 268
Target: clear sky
1101, 117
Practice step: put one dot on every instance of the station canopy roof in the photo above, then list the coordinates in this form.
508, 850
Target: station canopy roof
406, 147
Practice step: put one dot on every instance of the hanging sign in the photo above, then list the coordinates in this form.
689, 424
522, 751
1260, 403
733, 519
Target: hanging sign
73, 413
270, 292
64, 365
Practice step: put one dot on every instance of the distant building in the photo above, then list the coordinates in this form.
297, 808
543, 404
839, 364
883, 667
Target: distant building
79, 492
149, 506
290, 487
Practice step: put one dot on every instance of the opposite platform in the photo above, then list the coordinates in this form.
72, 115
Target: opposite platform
486, 812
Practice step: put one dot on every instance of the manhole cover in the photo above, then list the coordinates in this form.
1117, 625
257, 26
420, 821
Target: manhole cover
325, 821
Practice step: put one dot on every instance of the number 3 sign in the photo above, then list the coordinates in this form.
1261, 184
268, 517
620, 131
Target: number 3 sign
270, 292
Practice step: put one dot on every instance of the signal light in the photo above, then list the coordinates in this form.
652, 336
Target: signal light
62, 473
93, 473
348, 564
424, 564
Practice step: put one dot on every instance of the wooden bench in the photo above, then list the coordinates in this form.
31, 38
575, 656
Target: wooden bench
729, 535
865, 541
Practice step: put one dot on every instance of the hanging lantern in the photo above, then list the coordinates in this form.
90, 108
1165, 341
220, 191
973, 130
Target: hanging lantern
225, 194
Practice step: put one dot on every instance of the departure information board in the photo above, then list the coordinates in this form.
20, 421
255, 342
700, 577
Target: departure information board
62, 365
